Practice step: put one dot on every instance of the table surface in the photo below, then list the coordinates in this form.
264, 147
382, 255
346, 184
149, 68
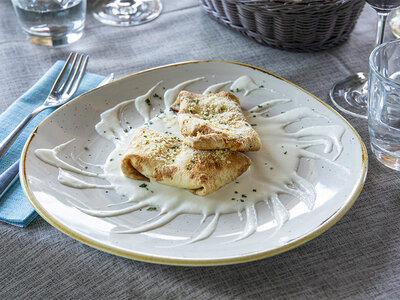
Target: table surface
359, 257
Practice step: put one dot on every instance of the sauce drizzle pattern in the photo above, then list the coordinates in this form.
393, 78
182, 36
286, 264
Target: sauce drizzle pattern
273, 171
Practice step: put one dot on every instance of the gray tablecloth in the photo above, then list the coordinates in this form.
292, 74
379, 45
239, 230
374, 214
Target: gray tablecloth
357, 258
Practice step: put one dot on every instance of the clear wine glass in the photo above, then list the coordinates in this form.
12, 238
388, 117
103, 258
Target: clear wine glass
350, 94
126, 12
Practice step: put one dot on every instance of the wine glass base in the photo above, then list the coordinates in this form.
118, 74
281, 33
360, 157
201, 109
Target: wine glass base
350, 95
126, 12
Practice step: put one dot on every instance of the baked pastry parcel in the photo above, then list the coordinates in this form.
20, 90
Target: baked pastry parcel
214, 121
165, 159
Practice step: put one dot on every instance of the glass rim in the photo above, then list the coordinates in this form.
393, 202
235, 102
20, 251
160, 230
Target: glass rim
372, 65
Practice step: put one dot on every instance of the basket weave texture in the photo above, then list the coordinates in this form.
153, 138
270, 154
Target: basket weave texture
306, 26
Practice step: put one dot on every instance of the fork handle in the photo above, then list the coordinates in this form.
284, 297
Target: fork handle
7, 142
8, 177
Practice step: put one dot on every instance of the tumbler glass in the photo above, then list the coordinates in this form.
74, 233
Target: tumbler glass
384, 103
51, 22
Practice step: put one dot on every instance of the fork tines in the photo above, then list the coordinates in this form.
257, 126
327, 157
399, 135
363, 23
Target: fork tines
76, 70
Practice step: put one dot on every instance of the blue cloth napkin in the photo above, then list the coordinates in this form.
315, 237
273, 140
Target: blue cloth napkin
14, 207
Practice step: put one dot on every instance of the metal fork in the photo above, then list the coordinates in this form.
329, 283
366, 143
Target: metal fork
60, 93
9, 176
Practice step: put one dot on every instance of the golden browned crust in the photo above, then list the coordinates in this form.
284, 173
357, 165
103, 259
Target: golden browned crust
214, 121
129, 171
167, 160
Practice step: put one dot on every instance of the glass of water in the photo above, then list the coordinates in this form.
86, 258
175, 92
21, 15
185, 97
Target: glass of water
384, 103
51, 22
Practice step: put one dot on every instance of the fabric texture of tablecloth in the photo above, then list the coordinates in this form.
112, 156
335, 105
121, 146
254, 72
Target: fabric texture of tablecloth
358, 258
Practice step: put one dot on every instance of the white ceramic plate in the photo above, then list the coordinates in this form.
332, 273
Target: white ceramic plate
336, 185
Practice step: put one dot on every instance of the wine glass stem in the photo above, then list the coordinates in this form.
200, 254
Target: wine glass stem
382, 16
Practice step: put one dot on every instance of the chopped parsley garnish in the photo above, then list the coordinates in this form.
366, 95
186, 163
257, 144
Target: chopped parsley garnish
147, 101
241, 200
151, 208
86, 148
125, 130
259, 106
261, 86
143, 185
236, 192
189, 168
285, 152
192, 161
111, 159
254, 190
244, 196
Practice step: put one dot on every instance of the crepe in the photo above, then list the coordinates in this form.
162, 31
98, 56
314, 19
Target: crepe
214, 121
165, 159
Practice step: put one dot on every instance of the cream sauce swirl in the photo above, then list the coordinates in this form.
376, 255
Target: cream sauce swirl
273, 171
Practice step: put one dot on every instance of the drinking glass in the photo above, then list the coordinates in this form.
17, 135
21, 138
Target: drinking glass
126, 12
384, 103
49, 22
350, 94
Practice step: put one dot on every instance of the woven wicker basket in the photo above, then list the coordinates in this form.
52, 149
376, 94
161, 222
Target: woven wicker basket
300, 25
